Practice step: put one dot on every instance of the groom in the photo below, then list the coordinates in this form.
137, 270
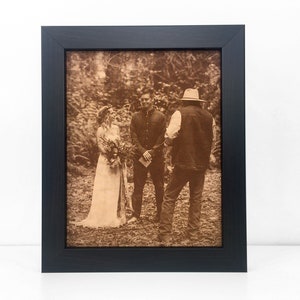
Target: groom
147, 130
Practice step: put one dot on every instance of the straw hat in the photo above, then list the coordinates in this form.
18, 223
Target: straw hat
191, 95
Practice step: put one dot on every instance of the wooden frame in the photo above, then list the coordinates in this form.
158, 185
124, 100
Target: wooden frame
56, 257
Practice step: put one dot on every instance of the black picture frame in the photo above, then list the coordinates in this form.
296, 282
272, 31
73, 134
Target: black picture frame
56, 257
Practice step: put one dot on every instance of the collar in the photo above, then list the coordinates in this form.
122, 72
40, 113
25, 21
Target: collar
149, 112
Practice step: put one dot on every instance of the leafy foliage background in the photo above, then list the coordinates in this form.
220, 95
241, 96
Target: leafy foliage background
97, 78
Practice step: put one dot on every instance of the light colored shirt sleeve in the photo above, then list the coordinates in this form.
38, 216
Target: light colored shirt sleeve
174, 127
214, 129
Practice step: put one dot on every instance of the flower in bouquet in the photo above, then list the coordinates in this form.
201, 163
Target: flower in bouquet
125, 151
116, 152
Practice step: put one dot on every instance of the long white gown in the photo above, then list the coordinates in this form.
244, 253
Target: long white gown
108, 201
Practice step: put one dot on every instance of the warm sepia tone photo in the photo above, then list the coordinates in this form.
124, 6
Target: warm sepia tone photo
143, 148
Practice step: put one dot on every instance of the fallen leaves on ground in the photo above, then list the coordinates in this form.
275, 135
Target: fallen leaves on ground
144, 232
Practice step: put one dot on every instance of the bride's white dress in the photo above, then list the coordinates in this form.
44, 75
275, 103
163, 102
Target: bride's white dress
108, 201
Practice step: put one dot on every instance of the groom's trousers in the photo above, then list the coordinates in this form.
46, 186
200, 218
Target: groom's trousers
156, 169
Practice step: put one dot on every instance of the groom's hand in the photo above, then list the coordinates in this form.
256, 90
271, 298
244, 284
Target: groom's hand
147, 155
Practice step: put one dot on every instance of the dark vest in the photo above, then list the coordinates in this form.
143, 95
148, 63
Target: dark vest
191, 149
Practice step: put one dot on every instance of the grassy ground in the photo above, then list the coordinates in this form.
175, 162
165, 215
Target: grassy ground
144, 232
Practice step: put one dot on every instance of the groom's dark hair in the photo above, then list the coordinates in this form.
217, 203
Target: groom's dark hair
147, 90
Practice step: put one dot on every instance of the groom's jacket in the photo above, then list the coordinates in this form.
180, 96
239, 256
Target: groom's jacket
147, 132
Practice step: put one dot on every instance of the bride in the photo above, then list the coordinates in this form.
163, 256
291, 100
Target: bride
108, 200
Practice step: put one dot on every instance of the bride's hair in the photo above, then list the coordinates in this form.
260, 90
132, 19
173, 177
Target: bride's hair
102, 113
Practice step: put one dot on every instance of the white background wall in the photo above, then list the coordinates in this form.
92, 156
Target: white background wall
272, 102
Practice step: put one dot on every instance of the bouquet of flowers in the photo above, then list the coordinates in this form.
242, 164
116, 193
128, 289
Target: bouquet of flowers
116, 152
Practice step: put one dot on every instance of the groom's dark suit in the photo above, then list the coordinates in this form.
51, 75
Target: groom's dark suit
147, 132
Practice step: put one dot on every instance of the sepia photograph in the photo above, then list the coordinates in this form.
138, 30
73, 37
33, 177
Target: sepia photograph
143, 148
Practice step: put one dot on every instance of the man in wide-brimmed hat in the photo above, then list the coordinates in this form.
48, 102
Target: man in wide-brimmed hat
190, 132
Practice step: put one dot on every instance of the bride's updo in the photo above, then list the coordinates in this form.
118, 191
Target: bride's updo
102, 113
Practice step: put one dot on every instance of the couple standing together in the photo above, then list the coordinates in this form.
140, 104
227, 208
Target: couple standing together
190, 135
